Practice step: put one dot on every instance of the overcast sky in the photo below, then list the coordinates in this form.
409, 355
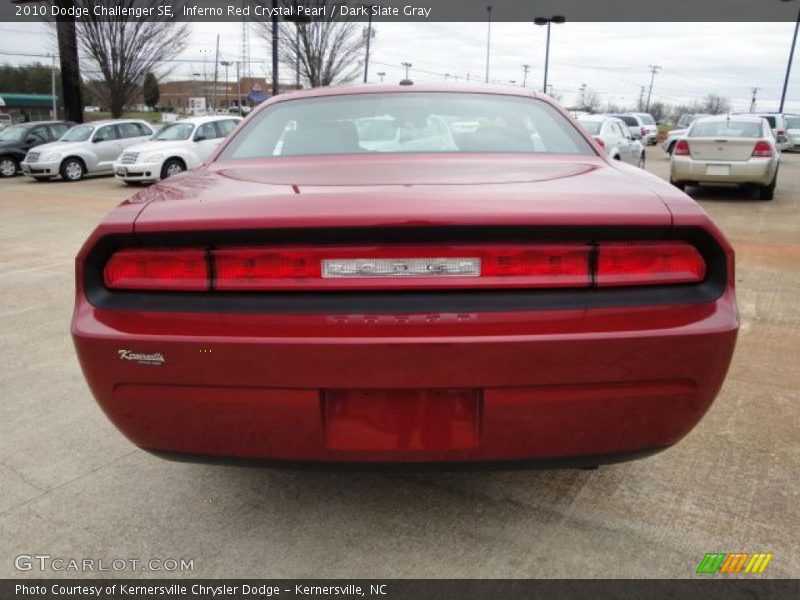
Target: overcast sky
612, 59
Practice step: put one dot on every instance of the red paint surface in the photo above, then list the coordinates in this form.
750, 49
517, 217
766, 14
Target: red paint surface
552, 383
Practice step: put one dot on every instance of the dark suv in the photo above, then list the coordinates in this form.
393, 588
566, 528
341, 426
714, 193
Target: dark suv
16, 140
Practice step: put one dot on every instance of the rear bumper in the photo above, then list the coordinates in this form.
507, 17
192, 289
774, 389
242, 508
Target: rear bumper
582, 383
754, 171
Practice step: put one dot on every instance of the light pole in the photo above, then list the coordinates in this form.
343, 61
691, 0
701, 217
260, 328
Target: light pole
226, 64
525, 69
558, 20
791, 58
407, 65
381, 74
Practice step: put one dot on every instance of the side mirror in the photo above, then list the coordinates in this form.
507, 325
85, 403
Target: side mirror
97, 140
31, 139
200, 138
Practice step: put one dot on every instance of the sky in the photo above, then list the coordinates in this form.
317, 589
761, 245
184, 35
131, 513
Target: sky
612, 59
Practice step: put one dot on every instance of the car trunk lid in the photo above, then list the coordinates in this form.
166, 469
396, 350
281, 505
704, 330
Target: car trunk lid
722, 149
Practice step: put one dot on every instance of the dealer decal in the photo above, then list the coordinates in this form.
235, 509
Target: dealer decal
154, 358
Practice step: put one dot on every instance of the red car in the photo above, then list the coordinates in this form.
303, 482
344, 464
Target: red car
407, 274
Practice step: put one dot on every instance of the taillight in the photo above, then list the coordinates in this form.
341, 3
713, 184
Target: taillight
648, 263
157, 268
384, 267
392, 267
681, 148
600, 142
762, 150
644, 132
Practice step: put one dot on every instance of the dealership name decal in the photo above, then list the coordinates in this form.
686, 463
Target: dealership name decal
155, 358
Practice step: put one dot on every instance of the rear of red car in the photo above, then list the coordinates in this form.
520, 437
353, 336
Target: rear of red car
399, 309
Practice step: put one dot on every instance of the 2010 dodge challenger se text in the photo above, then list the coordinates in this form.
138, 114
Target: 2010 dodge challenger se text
407, 274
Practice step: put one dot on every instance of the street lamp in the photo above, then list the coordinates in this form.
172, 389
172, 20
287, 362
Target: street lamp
791, 57
381, 74
226, 64
558, 20
368, 33
407, 65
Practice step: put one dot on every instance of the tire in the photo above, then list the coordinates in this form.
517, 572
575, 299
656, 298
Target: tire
171, 167
767, 192
642, 160
72, 169
8, 166
678, 184
617, 158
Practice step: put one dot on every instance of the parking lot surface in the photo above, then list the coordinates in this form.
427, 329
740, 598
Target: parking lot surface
75, 488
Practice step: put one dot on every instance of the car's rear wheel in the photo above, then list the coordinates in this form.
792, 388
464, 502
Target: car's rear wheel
642, 160
171, 167
767, 192
8, 166
72, 169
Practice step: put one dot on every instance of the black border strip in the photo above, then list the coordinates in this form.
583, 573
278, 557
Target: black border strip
403, 301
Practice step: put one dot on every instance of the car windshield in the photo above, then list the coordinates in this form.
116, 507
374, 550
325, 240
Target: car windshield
593, 127
726, 129
175, 132
80, 133
407, 122
14, 133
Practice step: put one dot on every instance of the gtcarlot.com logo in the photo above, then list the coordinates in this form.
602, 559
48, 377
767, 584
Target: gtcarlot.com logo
46, 562
734, 562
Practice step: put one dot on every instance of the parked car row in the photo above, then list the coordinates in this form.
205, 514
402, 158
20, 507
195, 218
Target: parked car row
130, 149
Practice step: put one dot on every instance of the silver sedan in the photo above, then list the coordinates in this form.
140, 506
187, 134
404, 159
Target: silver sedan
727, 149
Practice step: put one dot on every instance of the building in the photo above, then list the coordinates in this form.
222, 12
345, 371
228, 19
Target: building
27, 107
175, 95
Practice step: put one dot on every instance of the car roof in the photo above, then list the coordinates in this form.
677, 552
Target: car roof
205, 119
114, 121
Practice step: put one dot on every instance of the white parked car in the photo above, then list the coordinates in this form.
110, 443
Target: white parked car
793, 132
641, 125
777, 121
615, 137
178, 147
88, 149
727, 149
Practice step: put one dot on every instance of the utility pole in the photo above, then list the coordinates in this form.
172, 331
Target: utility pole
755, 97
488, 40
53, 86
641, 96
381, 74
226, 64
274, 47
369, 37
789, 64
525, 69
216, 74
239, 90
407, 65
653, 70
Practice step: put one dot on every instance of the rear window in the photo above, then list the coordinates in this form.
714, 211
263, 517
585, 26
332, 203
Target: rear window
407, 122
793, 122
628, 120
593, 127
647, 119
727, 129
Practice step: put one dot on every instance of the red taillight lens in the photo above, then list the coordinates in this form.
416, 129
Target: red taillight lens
386, 267
157, 268
424, 266
681, 148
600, 142
644, 132
762, 150
648, 263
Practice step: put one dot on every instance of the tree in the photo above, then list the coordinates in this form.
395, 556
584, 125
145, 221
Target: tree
588, 100
32, 79
151, 92
123, 52
328, 52
715, 104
